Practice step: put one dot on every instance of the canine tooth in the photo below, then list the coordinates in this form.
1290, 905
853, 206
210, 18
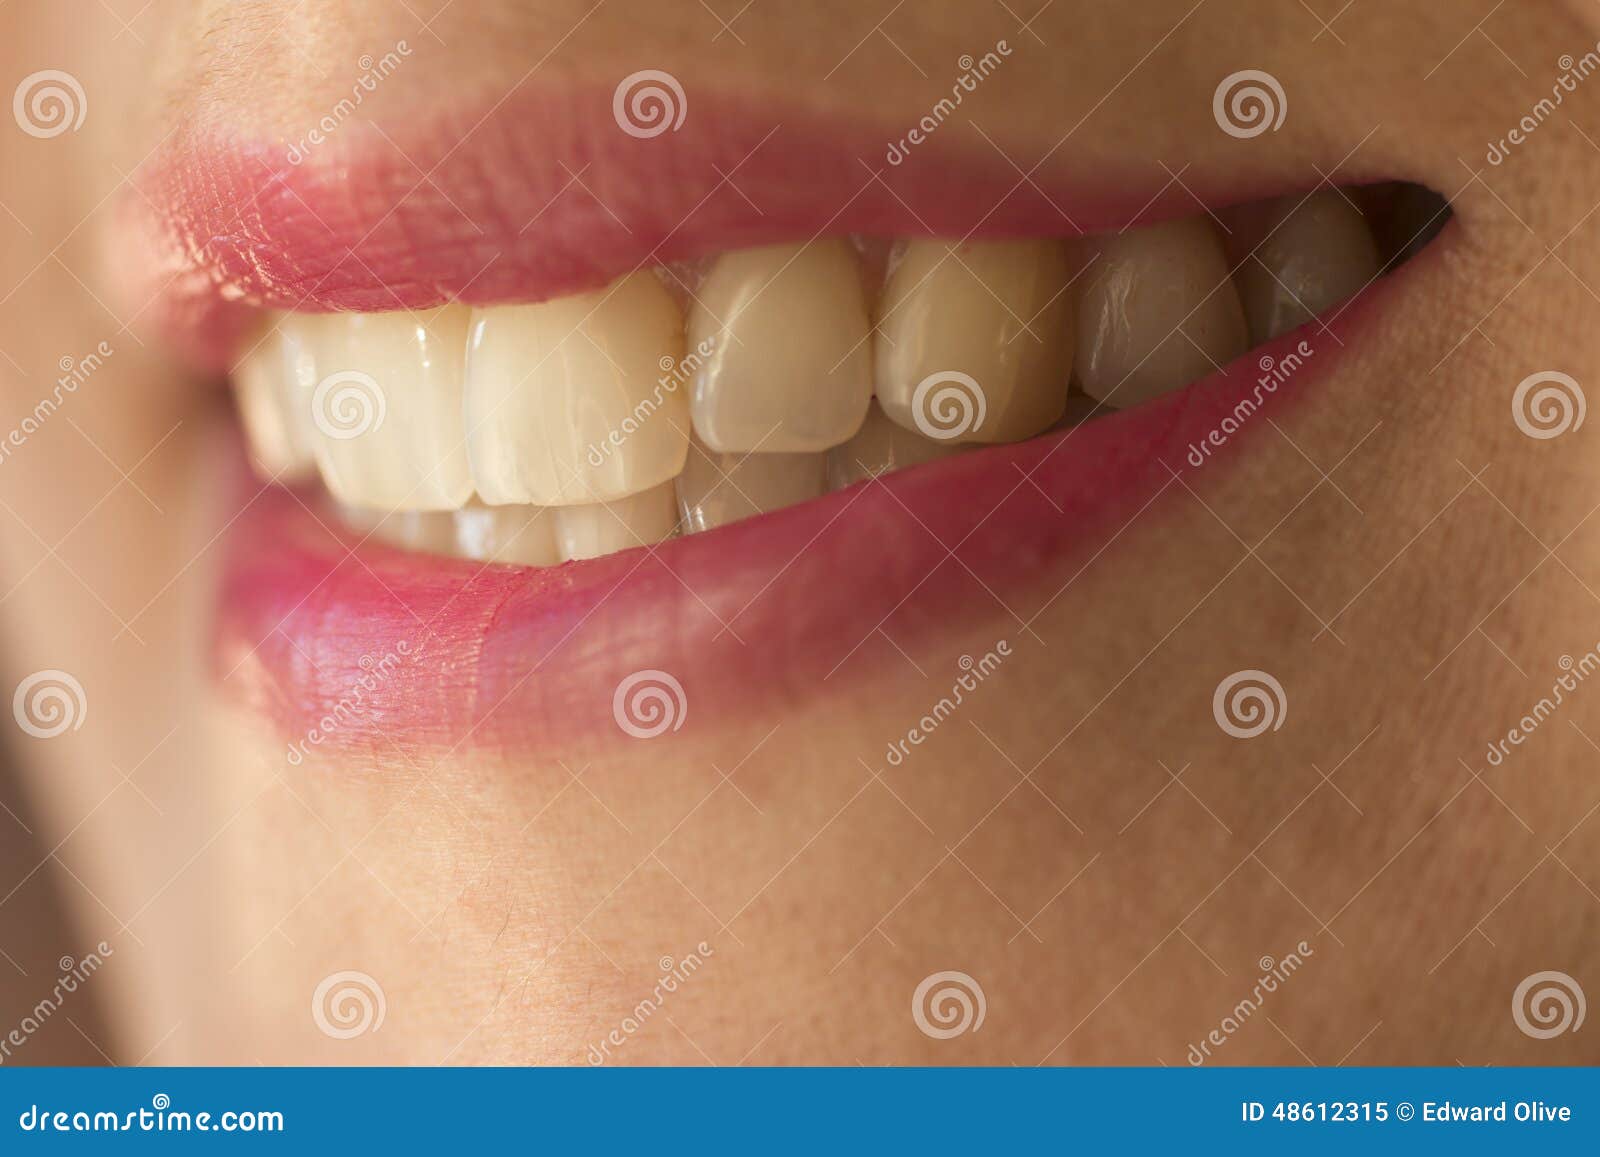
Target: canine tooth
1297, 257
715, 489
574, 401
998, 312
880, 447
594, 529
386, 409
524, 535
1158, 312
274, 428
789, 368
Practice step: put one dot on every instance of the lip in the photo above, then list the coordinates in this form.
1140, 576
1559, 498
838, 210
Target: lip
445, 654
543, 194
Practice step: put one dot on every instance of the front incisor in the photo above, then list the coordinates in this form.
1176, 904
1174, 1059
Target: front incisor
577, 400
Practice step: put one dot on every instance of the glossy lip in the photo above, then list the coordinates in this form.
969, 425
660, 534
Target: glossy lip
443, 654
544, 195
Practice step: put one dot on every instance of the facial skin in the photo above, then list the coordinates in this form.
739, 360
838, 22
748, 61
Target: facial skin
1081, 838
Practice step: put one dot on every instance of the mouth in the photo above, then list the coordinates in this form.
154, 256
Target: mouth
680, 399
736, 466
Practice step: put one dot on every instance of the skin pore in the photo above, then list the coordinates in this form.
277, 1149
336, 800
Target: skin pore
1080, 838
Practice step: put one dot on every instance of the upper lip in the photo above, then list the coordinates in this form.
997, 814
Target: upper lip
543, 195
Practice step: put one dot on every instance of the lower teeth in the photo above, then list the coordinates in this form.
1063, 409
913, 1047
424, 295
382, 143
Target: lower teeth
741, 385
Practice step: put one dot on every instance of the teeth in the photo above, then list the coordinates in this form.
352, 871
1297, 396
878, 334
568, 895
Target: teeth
790, 361
594, 529
573, 401
386, 409
578, 427
1158, 312
999, 312
427, 531
524, 535
881, 446
716, 489
1298, 258
273, 425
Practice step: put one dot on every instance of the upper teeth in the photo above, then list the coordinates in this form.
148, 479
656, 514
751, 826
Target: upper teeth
789, 367
563, 430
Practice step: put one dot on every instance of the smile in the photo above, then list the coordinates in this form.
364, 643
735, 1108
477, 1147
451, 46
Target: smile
682, 398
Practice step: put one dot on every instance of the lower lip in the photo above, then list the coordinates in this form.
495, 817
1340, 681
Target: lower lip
348, 648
